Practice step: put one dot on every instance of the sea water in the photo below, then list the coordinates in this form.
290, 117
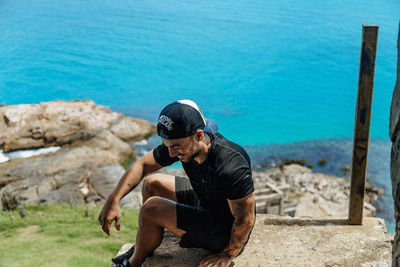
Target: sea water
276, 75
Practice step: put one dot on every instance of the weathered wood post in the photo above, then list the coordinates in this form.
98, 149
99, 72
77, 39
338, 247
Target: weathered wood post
362, 122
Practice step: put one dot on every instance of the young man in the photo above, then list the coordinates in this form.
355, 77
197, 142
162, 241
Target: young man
213, 209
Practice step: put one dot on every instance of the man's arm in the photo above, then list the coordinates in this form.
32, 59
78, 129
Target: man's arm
132, 177
243, 211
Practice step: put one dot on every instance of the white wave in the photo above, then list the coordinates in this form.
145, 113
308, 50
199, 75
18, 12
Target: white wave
141, 143
3, 158
30, 153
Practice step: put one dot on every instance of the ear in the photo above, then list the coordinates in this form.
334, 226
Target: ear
199, 135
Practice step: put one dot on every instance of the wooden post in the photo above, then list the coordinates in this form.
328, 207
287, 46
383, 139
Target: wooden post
362, 123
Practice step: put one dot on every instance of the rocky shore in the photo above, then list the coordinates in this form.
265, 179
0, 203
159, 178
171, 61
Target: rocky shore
94, 144
297, 191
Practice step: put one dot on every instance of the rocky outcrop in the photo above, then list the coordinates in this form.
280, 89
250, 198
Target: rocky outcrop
87, 167
54, 123
131, 129
394, 131
60, 176
280, 241
314, 194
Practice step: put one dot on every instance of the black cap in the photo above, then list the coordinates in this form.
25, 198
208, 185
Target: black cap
182, 119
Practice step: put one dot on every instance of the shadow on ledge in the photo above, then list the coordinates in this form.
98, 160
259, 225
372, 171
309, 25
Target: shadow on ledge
305, 221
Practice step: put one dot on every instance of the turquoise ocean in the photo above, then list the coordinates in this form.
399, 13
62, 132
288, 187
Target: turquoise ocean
279, 77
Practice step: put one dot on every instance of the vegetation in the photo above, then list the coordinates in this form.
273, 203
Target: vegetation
346, 170
310, 166
322, 162
128, 161
9, 201
61, 235
302, 162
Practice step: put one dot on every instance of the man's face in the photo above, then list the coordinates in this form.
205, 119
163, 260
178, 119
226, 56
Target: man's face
184, 148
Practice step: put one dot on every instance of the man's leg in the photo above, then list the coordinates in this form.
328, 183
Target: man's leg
159, 184
156, 214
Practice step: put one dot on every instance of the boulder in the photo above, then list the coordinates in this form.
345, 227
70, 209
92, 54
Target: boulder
54, 123
394, 131
103, 180
132, 129
60, 176
103, 140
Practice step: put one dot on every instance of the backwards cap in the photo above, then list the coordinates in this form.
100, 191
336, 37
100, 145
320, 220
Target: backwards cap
181, 119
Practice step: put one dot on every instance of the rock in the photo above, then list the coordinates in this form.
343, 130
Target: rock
104, 140
295, 170
312, 194
87, 167
57, 177
130, 129
54, 123
394, 131
104, 179
285, 241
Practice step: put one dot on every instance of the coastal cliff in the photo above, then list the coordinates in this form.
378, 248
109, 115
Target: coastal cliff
394, 131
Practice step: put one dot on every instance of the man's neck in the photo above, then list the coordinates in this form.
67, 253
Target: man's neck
204, 149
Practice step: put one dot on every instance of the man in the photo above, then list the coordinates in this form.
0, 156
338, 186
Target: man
213, 209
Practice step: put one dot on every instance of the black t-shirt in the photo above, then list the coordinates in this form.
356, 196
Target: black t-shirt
225, 174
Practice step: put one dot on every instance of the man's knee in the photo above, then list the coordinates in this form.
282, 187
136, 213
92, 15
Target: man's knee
149, 185
152, 208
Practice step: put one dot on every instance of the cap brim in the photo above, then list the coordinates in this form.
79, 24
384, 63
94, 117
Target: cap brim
211, 126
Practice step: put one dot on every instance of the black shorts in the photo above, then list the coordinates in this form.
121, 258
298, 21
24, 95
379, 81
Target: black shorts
202, 229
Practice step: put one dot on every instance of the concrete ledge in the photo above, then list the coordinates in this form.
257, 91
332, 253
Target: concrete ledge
287, 241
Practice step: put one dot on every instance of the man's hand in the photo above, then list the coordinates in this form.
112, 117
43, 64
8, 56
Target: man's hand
108, 214
216, 260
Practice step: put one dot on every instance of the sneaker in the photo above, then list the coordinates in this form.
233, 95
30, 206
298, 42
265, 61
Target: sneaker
124, 257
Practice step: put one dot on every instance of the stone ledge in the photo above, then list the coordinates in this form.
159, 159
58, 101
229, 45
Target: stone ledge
287, 241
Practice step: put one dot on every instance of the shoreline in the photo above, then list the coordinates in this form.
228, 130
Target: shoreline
42, 125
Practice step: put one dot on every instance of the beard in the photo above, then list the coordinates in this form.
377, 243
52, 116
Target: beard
190, 158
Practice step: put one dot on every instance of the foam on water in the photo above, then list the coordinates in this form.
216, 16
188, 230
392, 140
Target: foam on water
3, 158
141, 143
26, 153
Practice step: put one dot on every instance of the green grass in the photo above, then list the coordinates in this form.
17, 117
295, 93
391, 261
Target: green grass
61, 235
